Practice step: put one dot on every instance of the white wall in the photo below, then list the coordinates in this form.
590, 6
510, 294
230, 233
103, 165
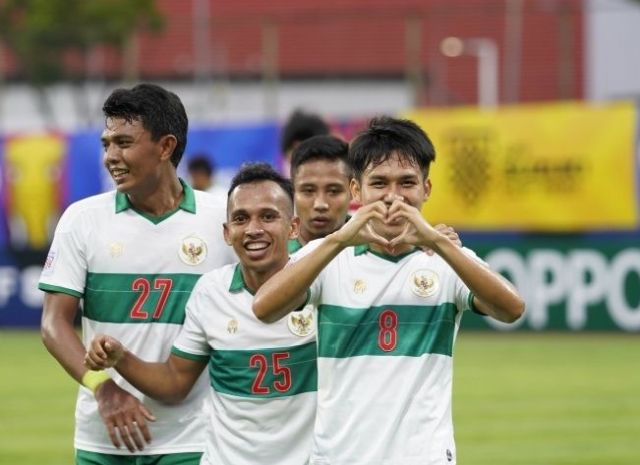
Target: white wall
612, 49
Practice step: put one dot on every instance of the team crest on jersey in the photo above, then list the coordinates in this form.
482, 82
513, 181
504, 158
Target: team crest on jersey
116, 249
301, 322
424, 283
359, 286
193, 250
232, 326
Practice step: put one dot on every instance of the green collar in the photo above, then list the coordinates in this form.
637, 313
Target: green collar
237, 281
364, 248
293, 245
188, 204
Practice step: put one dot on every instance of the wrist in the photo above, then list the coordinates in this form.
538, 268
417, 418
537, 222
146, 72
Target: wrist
92, 380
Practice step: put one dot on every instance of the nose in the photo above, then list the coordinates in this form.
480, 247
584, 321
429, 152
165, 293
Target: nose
111, 154
392, 194
320, 203
254, 228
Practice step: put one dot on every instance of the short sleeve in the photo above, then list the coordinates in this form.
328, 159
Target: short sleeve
192, 340
65, 268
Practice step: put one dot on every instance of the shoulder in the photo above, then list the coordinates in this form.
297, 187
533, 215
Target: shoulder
86, 209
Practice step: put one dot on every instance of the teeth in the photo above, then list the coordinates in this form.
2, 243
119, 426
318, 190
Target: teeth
256, 246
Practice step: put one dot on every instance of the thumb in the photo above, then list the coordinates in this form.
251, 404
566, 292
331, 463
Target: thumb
147, 413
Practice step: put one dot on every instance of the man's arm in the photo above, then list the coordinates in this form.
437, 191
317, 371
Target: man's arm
493, 295
116, 406
169, 381
286, 290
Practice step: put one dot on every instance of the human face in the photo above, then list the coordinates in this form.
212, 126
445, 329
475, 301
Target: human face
396, 178
321, 197
259, 224
132, 158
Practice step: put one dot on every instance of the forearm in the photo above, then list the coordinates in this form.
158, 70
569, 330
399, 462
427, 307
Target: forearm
286, 290
60, 338
158, 380
494, 295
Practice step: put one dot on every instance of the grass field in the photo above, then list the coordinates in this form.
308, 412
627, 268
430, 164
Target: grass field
519, 399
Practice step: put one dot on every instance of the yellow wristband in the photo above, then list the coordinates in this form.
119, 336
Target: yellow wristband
92, 379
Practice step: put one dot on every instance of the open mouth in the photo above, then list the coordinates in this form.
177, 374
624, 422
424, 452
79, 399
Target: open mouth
118, 174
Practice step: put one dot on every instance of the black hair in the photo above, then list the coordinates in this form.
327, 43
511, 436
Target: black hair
301, 126
161, 113
256, 172
201, 163
386, 136
328, 148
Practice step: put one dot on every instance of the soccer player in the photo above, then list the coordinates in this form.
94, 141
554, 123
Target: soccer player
320, 177
262, 377
388, 313
129, 259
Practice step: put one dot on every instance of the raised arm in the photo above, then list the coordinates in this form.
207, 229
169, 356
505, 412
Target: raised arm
493, 295
286, 290
168, 381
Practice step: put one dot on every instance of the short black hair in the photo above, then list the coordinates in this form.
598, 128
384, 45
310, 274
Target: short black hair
330, 148
259, 171
386, 136
160, 111
301, 126
201, 163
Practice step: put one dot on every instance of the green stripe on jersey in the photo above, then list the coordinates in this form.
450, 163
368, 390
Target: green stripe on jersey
389, 330
264, 373
137, 298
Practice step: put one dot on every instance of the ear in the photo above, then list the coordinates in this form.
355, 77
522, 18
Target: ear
167, 145
354, 187
295, 228
427, 189
225, 232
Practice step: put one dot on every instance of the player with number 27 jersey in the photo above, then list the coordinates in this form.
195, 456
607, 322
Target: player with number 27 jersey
263, 376
134, 274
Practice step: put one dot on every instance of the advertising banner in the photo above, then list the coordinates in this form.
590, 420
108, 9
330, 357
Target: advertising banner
569, 282
551, 167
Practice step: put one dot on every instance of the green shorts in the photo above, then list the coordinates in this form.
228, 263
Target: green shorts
94, 458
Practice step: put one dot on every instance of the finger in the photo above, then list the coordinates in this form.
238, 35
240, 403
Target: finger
92, 361
142, 416
136, 435
428, 251
147, 413
125, 436
113, 435
401, 238
371, 236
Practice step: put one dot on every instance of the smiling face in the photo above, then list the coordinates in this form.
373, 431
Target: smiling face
395, 177
321, 197
133, 159
259, 224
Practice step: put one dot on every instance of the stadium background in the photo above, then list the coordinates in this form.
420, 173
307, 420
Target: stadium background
533, 108
537, 161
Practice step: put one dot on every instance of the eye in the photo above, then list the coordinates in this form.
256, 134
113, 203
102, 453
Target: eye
269, 216
239, 219
409, 183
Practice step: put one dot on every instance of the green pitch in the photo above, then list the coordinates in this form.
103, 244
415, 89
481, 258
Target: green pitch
519, 399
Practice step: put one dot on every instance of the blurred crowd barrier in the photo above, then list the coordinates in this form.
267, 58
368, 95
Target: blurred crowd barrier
546, 193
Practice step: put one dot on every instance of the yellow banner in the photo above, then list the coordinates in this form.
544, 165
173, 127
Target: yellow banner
550, 167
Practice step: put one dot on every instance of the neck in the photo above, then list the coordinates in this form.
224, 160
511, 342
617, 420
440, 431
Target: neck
159, 200
253, 279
